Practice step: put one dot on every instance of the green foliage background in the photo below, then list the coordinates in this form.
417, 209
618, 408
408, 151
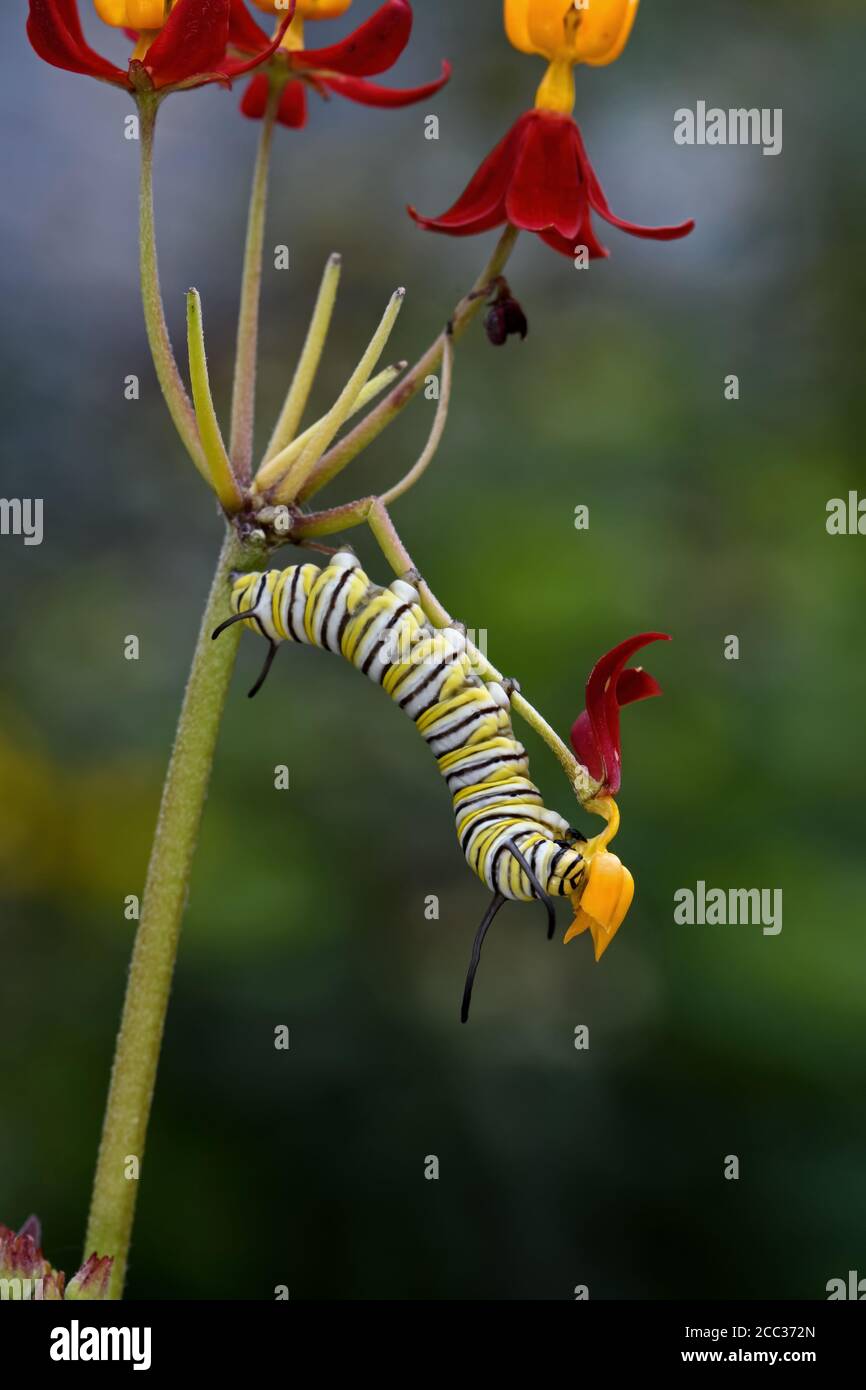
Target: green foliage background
707, 518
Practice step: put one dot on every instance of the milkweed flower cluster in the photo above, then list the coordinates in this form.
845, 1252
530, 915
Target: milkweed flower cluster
26, 1275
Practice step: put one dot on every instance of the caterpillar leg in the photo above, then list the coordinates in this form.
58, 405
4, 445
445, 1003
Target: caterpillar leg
498, 900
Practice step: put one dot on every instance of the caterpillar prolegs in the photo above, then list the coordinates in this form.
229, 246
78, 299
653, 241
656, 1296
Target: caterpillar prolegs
516, 846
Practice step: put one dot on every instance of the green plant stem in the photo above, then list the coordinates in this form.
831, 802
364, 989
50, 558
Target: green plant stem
348, 448
244, 388
440, 420
176, 397
141, 1028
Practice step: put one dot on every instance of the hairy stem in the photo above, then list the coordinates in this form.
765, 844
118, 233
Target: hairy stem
348, 448
244, 388
138, 1041
176, 397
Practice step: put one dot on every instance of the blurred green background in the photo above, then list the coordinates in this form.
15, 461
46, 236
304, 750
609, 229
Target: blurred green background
558, 1167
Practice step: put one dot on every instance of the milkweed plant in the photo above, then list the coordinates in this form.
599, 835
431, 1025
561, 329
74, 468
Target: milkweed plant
538, 179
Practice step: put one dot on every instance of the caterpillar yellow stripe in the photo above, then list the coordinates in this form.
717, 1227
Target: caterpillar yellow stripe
464, 719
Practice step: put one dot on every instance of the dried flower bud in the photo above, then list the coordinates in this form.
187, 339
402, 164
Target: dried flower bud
26, 1276
505, 317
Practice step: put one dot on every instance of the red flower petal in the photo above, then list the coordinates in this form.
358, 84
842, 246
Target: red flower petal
595, 735
371, 49
599, 202
546, 190
233, 67
567, 246
482, 204
244, 33
55, 32
636, 684
293, 106
292, 110
369, 94
192, 41
586, 749
255, 99
482, 224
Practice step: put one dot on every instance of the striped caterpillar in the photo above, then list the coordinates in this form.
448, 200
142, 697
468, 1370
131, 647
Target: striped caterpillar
521, 850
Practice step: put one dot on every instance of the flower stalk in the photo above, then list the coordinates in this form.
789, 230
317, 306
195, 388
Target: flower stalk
173, 389
139, 1038
244, 388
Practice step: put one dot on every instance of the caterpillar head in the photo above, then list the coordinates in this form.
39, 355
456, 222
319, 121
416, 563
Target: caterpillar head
605, 895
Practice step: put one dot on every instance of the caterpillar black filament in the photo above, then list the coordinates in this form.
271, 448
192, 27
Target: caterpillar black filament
516, 846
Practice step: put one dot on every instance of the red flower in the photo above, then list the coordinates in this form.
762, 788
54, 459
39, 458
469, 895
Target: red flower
189, 50
539, 178
342, 68
595, 733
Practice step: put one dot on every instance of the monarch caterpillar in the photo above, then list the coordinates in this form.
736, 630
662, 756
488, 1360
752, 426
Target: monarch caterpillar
521, 850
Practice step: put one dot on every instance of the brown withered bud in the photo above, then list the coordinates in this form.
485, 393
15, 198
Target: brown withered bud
505, 316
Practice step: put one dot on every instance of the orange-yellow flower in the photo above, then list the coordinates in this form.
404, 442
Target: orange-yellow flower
307, 9
539, 177
566, 32
602, 906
